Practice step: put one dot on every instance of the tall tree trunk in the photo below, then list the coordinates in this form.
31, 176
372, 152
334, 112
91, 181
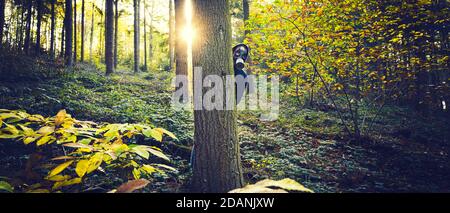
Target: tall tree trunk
82, 31
38, 27
217, 164
91, 40
2, 20
145, 37
68, 25
246, 9
109, 37
116, 32
136, 35
20, 34
180, 43
150, 49
171, 35
75, 46
63, 38
52, 30
28, 28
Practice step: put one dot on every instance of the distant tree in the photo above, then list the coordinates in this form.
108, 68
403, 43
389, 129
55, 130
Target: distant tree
180, 43
246, 8
145, 38
38, 27
171, 34
68, 23
2, 19
75, 43
109, 37
91, 40
217, 164
52, 30
28, 28
136, 6
82, 30
116, 32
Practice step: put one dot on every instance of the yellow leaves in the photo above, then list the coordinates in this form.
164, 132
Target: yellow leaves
148, 169
141, 151
57, 178
152, 133
9, 132
157, 133
136, 173
4, 186
170, 134
90, 145
46, 130
73, 181
59, 168
266, 186
94, 162
158, 154
44, 140
338, 86
60, 116
82, 167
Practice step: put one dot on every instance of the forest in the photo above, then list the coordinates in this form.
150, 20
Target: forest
351, 96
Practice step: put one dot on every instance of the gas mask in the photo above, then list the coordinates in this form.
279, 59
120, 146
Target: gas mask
240, 55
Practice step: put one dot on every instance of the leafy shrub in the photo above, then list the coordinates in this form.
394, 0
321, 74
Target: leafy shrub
88, 146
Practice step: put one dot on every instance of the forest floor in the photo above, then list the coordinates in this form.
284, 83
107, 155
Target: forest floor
405, 152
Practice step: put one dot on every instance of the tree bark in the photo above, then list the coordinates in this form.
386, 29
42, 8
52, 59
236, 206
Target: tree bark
171, 35
28, 28
91, 40
116, 33
136, 35
246, 10
38, 27
180, 43
217, 165
2, 20
75, 46
109, 37
52, 30
68, 25
145, 37
82, 31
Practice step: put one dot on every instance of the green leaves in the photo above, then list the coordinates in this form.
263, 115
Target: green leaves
88, 145
4, 186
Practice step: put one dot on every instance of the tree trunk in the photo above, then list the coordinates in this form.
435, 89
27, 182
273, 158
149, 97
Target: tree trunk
91, 40
116, 33
82, 31
217, 165
180, 43
150, 49
52, 30
68, 25
109, 37
63, 38
26, 45
136, 35
145, 37
171, 35
2, 20
246, 9
38, 27
75, 43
